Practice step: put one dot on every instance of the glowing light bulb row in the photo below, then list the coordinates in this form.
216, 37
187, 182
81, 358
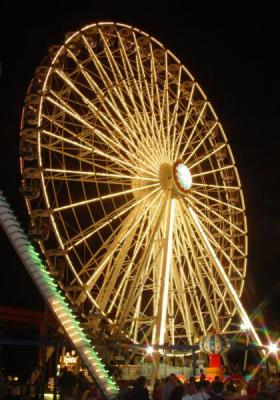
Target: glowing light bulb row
51, 292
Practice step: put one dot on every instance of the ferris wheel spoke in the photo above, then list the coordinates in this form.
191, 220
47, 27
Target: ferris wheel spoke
90, 176
221, 187
118, 74
191, 287
64, 154
111, 286
113, 173
180, 247
181, 297
91, 230
142, 318
191, 242
209, 155
161, 99
93, 150
81, 143
232, 292
193, 131
116, 147
153, 123
90, 161
166, 107
214, 171
103, 222
128, 166
155, 98
138, 292
202, 141
134, 327
165, 269
63, 106
60, 139
100, 198
133, 218
111, 245
231, 266
210, 236
216, 200
146, 263
104, 253
83, 176
111, 112
79, 139
207, 266
121, 160
178, 142
85, 179
150, 122
127, 273
220, 231
150, 127
110, 283
174, 117
119, 94
217, 215
152, 92
108, 99
136, 289
108, 120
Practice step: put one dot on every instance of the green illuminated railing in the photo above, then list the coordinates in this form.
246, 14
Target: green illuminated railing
56, 300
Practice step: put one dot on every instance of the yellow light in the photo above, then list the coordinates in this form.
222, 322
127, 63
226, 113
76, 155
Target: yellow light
183, 176
245, 325
273, 348
149, 350
167, 273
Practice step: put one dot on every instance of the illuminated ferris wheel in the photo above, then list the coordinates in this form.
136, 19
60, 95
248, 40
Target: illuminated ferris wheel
132, 189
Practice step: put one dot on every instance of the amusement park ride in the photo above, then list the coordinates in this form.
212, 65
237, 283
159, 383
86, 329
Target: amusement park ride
134, 198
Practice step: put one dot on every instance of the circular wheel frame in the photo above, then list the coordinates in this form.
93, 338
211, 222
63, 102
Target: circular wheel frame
109, 115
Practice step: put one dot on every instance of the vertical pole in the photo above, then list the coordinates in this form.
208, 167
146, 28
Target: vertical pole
44, 353
164, 282
162, 302
246, 353
165, 274
57, 349
225, 359
193, 362
1, 335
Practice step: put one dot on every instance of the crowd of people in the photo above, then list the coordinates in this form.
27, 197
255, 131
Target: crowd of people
171, 388
259, 387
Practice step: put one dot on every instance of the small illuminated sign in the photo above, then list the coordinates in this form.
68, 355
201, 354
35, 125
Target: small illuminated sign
69, 359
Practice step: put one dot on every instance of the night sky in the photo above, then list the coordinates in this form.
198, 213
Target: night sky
231, 51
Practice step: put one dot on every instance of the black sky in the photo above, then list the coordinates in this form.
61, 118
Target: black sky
233, 53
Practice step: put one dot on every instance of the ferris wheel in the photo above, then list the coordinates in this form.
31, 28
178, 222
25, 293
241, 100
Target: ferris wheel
132, 189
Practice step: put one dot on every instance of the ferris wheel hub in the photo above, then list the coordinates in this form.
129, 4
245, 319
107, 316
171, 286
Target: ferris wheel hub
181, 177
176, 177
